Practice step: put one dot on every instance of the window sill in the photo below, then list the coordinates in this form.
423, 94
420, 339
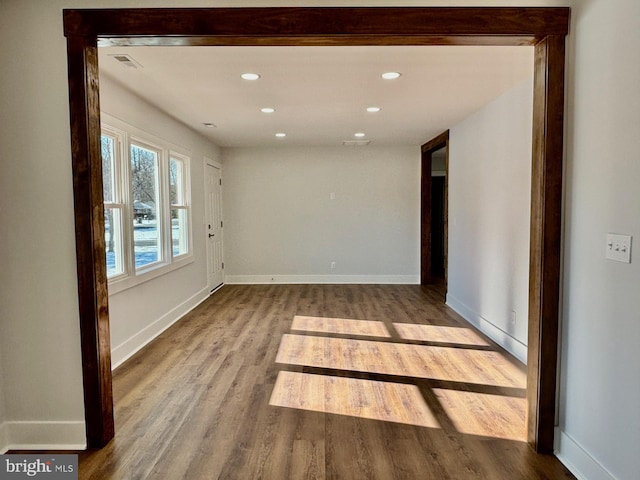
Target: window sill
118, 285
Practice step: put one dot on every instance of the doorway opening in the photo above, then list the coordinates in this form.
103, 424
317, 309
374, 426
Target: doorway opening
434, 231
544, 28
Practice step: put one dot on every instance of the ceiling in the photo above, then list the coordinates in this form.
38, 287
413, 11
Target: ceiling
320, 93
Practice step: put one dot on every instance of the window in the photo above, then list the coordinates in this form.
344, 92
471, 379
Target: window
146, 205
113, 203
147, 209
179, 207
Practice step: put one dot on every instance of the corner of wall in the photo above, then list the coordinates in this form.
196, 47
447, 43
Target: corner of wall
129, 347
502, 338
577, 459
4, 437
43, 435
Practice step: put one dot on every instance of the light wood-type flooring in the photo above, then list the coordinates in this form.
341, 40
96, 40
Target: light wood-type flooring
349, 382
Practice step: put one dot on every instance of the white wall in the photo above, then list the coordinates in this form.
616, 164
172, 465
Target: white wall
281, 224
600, 376
138, 314
4, 430
489, 212
38, 300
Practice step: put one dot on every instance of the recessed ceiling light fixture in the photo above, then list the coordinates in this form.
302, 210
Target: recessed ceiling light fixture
359, 135
210, 125
250, 76
391, 75
267, 110
281, 135
373, 109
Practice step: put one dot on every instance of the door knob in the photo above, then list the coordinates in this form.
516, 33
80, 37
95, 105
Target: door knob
211, 235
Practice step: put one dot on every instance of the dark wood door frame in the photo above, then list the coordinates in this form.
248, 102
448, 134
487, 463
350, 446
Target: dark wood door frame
544, 28
426, 180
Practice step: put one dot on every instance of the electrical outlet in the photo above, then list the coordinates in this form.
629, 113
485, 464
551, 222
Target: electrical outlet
618, 248
513, 317
333, 265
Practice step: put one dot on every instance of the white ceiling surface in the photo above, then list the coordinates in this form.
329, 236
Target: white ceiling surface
320, 93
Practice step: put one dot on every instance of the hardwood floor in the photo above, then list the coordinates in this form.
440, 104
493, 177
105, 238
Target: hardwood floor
280, 382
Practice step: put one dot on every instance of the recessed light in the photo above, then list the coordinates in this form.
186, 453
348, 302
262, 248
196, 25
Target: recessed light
373, 109
250, 76
267, 110
281, 135
209, 125
391, 75
359, 134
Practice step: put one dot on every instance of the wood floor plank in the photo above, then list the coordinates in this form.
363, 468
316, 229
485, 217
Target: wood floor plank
343, 326
385, 401
420, 361
195, 403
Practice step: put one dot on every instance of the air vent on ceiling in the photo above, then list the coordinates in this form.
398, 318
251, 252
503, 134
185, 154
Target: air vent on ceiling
125, 60
356, 143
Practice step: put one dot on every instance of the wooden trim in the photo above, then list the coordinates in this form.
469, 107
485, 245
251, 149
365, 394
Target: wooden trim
379, 25
545, 248
543, 27
436, 142
89, 222
446, 221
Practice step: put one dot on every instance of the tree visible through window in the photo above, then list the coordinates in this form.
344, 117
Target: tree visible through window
113, 206
146, 208
179, 207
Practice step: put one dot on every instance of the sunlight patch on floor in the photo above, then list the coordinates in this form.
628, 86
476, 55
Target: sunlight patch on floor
438, 333
495, 416
375, 400
419, 361
340, 326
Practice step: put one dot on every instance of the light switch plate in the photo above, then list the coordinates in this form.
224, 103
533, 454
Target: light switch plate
618, 248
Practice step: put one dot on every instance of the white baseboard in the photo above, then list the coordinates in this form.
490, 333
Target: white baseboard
44, 436
322, 279
511, 344
577, 459
4, 437
130, 346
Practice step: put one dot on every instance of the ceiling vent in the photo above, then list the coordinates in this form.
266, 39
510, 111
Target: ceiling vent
356, 143
126, 60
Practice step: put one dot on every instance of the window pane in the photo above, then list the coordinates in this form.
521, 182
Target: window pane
108, 145
176, 182
144, 183
113, 241
179, 231
146, 243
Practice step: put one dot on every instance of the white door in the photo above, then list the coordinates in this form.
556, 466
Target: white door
213, 226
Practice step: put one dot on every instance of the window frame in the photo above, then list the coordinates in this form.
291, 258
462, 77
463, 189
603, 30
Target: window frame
184, 206
128, 135
120, 200
160, 197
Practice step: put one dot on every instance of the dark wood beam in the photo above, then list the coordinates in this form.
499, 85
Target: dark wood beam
89, 223
545, 248
337, 25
